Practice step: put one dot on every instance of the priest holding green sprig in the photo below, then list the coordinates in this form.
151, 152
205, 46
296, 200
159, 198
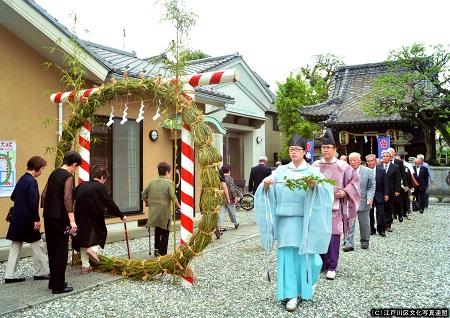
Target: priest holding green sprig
293, 207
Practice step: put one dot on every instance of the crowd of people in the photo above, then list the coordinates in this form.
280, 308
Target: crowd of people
67, 211
313, 222
306, 224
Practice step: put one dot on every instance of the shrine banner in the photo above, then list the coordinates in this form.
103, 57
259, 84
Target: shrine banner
7, 167
310, 150
384, 142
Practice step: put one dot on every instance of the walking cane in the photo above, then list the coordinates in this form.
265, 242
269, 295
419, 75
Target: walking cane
126, 239
149, 241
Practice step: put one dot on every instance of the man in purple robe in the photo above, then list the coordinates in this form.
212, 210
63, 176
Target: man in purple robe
346, 199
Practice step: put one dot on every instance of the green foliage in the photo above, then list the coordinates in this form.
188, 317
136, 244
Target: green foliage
416, 87
308, 87
320, 75
72, 74
302, 183
191, 55
183, 20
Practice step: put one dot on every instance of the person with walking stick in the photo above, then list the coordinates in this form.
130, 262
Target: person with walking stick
159, 196
91, 200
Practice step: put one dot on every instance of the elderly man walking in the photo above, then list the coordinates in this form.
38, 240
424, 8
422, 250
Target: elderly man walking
422, 174
367, 188
394, 186
381, 196
258, 173
430, 179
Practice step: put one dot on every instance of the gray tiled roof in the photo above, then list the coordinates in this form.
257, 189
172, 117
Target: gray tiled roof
209, 63
120, 61
61, 28
212, 63
346, 93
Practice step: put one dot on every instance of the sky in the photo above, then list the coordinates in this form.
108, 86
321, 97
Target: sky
274, 38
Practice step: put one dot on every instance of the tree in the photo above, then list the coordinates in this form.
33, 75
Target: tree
308, 87
191, 55
321, 74
417, 88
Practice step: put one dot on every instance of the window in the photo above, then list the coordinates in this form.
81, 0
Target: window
118, 148
275, 126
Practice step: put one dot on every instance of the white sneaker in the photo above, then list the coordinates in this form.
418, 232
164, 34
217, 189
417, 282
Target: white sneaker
291, 305
331, 275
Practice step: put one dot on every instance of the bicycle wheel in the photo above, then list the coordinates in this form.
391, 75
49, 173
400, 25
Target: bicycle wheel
248, 201
239, 196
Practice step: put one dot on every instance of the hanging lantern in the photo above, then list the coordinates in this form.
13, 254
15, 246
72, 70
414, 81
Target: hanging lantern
343, 138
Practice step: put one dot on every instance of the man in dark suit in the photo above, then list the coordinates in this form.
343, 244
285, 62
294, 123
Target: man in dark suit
381, 196
398, 201
394, 187
422, 176
258, 173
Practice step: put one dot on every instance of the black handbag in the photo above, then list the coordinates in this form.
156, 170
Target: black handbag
9, 216
415, 205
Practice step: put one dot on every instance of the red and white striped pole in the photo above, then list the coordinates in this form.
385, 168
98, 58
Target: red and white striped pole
211, 78
187, 183
84, 141
70, 96
187, 145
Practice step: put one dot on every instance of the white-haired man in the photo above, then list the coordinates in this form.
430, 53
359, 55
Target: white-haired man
394, 186
398, 206
381, 196
430, 179
367, 192
423, 176
258, 173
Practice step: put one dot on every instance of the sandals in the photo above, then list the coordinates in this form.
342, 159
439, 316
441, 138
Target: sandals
85, 270
93, 258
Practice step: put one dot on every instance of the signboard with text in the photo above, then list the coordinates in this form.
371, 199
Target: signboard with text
7, 167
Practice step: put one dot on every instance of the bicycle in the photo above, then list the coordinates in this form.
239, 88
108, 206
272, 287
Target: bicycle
246, 201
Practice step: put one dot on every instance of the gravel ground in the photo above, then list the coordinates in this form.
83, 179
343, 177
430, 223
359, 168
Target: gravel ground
25, 267
408, 269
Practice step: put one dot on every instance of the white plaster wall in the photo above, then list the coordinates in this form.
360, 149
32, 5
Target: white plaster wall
218, 143
249, 150
260, 149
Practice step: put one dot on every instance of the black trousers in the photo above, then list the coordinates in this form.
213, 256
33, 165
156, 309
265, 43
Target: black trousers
426, 198
161, 240
420, 196
380, 217
398, 206
405, 202
389, 210
58, 251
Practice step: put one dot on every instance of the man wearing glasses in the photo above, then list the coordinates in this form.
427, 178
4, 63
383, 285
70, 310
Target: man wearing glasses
299, 220
346, 199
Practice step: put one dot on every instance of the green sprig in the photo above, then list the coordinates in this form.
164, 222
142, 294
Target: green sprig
302, 183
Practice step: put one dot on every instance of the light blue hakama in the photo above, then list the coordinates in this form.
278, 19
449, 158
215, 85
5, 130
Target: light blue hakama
300, 221
292, 273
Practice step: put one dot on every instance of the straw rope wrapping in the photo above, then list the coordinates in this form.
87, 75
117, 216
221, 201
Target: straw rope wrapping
208, 158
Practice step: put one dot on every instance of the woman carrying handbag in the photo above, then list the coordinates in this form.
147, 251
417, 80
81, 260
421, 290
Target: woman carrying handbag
25, 224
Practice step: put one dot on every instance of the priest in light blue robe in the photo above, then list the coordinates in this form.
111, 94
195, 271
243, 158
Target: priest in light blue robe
300, 222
